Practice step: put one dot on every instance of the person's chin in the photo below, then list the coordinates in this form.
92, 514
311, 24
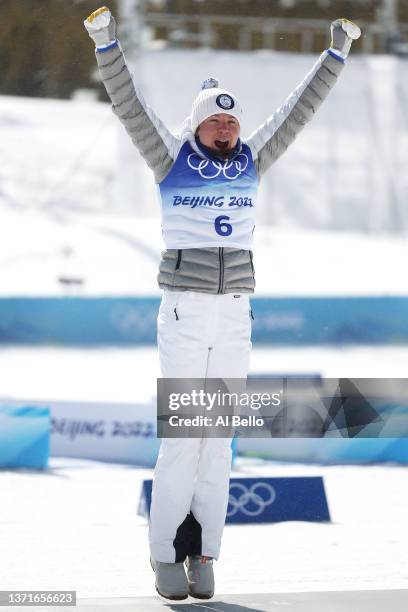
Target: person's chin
222, 150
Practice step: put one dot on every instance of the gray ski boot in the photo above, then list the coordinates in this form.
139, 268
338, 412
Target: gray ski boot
171, 579
200, 576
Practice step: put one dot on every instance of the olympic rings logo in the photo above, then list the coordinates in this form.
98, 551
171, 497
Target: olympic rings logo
211, 169
250, 495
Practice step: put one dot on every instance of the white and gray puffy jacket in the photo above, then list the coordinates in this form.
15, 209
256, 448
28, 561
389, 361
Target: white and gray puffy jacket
210, 269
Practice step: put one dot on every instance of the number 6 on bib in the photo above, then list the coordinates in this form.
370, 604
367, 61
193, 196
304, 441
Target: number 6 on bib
221, 227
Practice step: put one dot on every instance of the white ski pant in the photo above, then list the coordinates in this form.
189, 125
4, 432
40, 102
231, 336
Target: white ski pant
199, 336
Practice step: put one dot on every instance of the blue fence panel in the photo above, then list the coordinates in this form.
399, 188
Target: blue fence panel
266, 500
24, 437
132, 320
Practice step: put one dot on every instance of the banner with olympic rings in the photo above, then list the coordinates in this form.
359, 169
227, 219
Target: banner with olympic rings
266, 500
131, 320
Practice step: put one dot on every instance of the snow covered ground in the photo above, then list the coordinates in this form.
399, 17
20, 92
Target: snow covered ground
75, 527
129, 375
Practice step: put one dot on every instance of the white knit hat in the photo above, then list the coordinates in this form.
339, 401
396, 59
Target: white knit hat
212, 100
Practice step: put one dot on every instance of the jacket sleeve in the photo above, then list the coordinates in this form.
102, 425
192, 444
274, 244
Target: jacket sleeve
272, 138
156, 144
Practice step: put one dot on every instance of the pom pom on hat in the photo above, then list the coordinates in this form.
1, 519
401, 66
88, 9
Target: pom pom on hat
209, 83
213, 100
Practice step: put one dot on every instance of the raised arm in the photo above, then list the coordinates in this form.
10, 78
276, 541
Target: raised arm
272, 138
154, 141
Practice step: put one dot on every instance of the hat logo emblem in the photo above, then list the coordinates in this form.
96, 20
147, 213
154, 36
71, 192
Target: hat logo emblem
225, 101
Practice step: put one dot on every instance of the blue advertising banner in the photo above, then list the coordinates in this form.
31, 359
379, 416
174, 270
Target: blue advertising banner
78, 321
266, 500
330, 320
24, 437
90, 321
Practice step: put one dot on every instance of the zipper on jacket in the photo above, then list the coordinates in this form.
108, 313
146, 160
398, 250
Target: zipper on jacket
180, 251
252, 262
221, 261
175, 312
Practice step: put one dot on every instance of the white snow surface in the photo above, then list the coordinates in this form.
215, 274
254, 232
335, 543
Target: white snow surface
75, 527
129, 375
